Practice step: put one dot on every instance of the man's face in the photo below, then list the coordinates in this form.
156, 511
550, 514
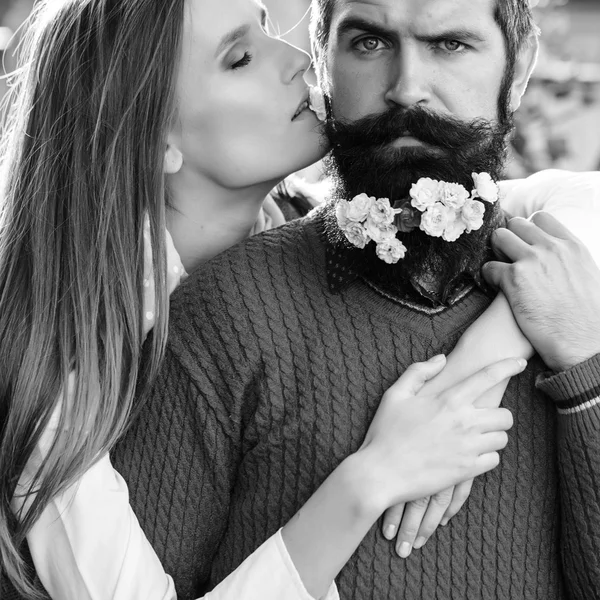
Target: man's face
447, 56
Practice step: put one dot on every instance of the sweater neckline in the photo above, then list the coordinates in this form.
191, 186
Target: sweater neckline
382, 305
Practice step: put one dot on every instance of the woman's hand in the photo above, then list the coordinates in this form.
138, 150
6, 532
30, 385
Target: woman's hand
414, 523
417, 447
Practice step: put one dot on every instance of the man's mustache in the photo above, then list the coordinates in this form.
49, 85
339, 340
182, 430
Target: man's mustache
440, 131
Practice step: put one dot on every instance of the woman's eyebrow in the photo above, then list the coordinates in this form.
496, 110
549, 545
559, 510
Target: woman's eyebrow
238, 33
230, 38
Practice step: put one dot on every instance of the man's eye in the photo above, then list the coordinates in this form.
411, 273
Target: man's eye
451, 46
369, 44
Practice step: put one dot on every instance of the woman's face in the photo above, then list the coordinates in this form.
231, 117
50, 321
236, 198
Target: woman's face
238, 92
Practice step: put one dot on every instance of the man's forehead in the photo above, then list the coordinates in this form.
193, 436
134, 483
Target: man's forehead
396, 14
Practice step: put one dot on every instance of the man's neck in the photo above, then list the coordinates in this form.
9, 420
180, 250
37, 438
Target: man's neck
435, 280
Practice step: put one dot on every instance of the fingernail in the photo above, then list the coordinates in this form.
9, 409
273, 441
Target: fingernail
438, 358
390, 532
522, 362
419, 542
404, 550
445, 522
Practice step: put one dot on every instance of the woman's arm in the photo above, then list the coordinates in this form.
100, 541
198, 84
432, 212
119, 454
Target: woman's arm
574, 199
89, 545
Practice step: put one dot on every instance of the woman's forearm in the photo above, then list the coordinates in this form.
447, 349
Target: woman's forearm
326, 531
494, 336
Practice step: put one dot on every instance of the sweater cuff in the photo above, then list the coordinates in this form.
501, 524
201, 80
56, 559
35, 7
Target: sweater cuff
576, 392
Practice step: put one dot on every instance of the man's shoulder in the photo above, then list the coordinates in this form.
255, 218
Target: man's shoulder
263, 261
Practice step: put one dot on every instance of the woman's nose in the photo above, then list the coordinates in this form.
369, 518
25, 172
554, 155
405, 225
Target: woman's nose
295, 62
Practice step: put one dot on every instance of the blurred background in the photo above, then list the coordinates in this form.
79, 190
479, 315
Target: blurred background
558, 125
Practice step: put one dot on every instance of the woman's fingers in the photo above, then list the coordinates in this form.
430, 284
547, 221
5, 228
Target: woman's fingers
415, 377
494, 419
411, 521
460, 496
391, 521
485, 463
438, 506
467, 391
492, 442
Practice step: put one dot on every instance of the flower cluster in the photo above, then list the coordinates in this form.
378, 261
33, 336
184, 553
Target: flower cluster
438, 208
366, 219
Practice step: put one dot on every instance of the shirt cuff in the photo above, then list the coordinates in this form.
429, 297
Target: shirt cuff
332, 593
576, 392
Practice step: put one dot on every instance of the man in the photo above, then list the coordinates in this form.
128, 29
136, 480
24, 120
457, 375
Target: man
287, 342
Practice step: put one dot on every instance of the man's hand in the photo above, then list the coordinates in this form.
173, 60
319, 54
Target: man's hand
553, 286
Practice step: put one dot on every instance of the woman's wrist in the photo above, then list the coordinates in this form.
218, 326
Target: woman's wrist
366, 485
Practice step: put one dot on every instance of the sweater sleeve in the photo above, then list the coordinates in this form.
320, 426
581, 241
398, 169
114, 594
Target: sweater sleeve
576, 393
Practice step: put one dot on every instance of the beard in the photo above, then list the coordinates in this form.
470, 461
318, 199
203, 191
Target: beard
363, 160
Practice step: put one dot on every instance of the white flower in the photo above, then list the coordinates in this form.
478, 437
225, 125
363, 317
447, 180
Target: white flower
455, 228
316, 102
435, 219
485, 186
341, 213
391, 251
381, 212
359, 208
380, 232
356, 234
453, 195
472, 215
424, 193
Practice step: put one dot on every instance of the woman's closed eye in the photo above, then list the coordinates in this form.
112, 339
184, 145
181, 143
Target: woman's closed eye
242, 62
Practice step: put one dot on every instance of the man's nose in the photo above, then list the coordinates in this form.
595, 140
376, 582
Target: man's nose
408, 82
295, 62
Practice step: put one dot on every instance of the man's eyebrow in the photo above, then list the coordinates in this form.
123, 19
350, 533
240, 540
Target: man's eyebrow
462, 35
354, 23
238, 33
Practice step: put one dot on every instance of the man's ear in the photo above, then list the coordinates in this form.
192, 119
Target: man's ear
173, 160
524, 66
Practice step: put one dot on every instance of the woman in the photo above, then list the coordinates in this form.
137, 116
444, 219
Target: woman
122, 116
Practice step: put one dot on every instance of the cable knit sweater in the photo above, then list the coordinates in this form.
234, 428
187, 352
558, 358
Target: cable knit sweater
270, 380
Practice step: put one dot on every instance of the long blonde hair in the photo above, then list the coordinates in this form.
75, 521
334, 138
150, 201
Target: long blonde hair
82, 160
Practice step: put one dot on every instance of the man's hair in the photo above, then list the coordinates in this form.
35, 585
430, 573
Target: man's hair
514, 17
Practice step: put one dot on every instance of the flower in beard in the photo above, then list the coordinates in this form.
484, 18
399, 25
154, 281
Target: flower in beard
436, 218
472, 214
380, 232
408, 219
359, 208
316, 103
381, 212
356, 234
455, 228
453, 195
425, 193
391, 251
486, 187
341, 213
